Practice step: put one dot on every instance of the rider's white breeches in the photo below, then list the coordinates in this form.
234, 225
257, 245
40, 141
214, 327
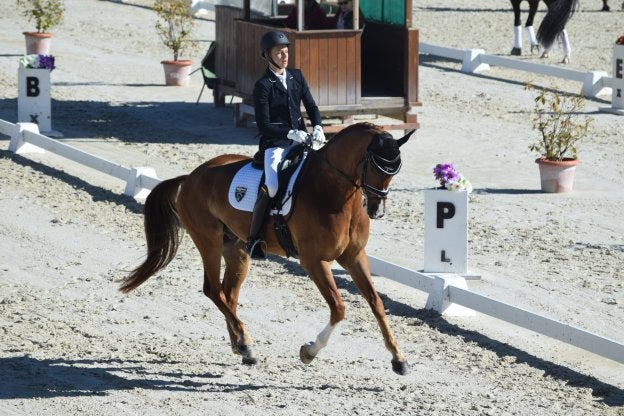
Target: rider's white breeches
272, 158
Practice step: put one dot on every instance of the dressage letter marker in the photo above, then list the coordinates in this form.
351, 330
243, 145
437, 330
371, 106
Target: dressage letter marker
33, 101
446, 231
617, 87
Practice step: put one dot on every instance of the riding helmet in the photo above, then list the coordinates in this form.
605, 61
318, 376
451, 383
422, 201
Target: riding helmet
272, 38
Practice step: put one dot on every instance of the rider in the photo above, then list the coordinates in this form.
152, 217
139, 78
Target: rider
278, 95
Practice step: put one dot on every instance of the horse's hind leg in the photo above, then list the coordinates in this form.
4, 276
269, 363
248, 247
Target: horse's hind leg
210, 246
359, 270
321, 274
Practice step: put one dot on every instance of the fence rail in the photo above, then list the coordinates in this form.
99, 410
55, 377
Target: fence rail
25, 138
476, 60
444, 293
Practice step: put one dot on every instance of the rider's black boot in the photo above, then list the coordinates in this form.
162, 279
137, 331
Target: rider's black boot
255, 244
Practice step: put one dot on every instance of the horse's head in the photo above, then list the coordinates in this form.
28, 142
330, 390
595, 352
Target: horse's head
381, 162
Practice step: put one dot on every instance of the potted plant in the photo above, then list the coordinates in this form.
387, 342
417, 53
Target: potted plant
46, 14
560, 126
174, 26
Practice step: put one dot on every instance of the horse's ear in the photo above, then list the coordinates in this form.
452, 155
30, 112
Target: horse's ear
403, 139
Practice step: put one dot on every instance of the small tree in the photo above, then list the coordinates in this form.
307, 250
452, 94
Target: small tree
45, 13
175, 25
557, 119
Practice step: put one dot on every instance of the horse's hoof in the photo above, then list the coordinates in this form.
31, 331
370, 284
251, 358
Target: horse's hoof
250, 360
400, 367
516, 51
566, 60
535, 49
305, 355
544, 55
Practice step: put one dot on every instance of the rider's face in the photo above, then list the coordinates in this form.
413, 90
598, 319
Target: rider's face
279, 56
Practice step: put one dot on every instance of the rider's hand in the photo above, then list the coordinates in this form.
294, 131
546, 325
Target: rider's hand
317, 135
298, 136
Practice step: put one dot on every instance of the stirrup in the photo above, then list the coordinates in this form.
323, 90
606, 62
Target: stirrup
257, 249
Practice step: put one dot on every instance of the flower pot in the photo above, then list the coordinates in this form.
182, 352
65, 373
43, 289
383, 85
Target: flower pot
557, 176
37, 43
177, 72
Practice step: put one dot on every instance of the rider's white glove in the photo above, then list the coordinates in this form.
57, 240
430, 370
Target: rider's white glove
298, 136
317, 135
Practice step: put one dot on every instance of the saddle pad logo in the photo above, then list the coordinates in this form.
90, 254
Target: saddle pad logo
239, 193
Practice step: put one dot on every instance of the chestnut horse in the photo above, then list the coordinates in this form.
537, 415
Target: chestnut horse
345, 183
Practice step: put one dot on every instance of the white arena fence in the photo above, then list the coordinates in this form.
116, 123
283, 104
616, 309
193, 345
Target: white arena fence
594, 83
25, 138
448, 294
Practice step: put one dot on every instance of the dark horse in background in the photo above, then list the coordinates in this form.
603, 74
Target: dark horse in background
343, 186
551, 28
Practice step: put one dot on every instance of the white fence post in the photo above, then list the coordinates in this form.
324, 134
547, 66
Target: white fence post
18, 143
140, 182
440, 299
472, 61
594, 83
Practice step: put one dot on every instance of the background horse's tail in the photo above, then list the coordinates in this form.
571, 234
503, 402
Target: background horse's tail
162, 232
559, 12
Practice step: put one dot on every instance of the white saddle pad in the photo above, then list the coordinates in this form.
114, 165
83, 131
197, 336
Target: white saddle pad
244, 189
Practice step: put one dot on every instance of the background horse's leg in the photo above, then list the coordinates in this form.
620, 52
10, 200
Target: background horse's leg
517, 48
359, 269
533, 5
236, 268
321, 274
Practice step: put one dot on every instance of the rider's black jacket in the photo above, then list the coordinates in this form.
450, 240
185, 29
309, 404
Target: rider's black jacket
278, 110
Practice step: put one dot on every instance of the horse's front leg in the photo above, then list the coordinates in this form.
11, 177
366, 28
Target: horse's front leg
359, 269
320, 272
236, 269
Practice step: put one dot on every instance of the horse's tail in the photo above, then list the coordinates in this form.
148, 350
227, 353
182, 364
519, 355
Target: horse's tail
559, 12
162, 232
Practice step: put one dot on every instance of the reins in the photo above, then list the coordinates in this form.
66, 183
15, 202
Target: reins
379, 162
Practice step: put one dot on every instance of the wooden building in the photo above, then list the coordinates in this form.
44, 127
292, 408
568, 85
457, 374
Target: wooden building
373, 70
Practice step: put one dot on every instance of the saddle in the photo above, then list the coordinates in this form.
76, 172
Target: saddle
251, 177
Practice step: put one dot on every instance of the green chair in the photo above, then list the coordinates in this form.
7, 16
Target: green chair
207, 70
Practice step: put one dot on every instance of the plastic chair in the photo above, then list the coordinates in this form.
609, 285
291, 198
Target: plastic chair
207, 70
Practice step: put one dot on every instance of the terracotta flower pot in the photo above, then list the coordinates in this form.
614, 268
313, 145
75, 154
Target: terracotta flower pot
177, 72
557, 176
37, 43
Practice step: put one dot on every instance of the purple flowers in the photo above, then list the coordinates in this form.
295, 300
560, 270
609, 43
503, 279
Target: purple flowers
37, 62
450, 178
445, 172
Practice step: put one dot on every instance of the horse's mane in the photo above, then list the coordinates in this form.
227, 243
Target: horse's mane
357, 127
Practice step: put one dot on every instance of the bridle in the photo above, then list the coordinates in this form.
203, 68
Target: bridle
387, 166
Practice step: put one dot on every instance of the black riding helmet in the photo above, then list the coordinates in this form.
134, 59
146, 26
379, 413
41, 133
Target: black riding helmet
271, 39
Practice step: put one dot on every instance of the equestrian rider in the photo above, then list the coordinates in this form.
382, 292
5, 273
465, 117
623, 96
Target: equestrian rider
278, 95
